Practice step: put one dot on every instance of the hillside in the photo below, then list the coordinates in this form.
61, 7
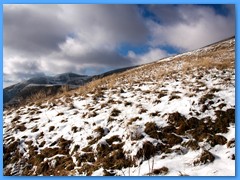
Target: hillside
173, 117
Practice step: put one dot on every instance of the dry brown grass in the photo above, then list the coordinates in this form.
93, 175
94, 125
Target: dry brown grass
152, 130
133, 120
163, 171
203, 158
147, 151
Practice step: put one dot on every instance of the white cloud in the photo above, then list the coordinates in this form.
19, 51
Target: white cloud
153, 54
13, 69
199, 26
74, 47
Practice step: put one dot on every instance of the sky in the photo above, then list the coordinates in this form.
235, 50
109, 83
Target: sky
91, 39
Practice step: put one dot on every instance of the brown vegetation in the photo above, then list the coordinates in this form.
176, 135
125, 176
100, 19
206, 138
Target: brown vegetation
205, 157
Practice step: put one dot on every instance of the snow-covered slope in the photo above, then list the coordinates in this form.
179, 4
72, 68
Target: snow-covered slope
173, 117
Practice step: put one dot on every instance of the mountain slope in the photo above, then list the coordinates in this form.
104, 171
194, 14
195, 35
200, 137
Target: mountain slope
19, 92
172, 117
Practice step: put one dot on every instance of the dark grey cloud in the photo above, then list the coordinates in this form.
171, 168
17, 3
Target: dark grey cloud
32, 31
80, 63
102, 58
168, 14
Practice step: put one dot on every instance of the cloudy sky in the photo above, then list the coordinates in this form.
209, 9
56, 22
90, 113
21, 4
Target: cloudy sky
92, 39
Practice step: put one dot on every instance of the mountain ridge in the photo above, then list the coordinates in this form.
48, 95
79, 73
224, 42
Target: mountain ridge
12, 95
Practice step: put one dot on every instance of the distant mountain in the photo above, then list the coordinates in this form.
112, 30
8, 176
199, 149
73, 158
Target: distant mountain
51, 84
17, 93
